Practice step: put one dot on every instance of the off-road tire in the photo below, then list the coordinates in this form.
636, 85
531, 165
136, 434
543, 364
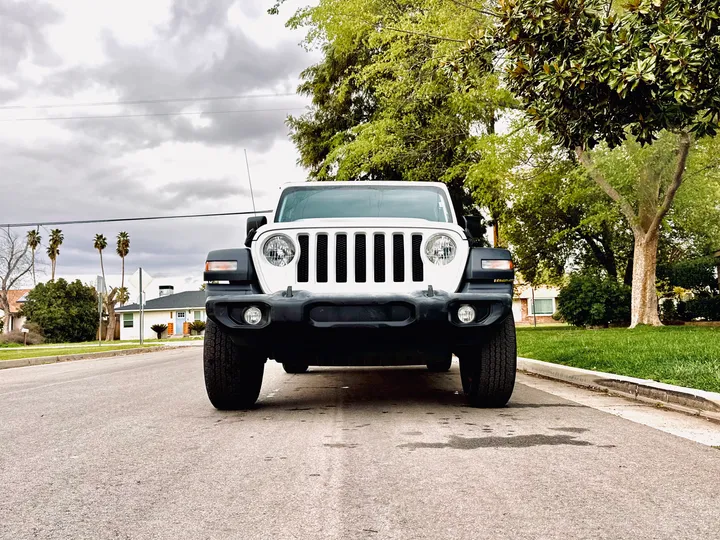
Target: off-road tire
441, 366
295, 367
488, 370
233, 374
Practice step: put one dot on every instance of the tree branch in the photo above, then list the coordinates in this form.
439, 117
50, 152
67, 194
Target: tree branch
600, 180
683, 151
422, 34
478, 10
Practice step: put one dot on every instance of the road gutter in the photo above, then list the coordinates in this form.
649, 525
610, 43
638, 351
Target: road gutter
686, 400
36, 361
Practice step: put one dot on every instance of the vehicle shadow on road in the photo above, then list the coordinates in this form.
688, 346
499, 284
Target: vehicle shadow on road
369, 387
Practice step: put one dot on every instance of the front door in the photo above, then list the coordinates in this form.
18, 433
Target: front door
179, 322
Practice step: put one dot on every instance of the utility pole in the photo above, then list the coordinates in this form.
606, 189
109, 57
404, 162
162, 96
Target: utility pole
142, 322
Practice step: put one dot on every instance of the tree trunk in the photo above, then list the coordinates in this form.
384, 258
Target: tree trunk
33, 267
52, 277
110, 308
644, 308
5, 307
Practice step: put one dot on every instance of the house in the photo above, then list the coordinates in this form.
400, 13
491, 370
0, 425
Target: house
526, 312
13, 321
177, 311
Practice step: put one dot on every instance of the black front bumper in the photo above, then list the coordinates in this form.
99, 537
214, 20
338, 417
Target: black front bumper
299, 320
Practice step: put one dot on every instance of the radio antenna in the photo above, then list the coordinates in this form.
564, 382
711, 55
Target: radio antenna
252, 195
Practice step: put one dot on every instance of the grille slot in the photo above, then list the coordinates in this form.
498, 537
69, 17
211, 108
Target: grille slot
322, 258
303, 270
379, 258
418, 272
398, 258
341, 258
360, 258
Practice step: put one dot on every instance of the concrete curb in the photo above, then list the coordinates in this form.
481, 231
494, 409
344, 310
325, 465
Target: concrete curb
23, 362
687, 400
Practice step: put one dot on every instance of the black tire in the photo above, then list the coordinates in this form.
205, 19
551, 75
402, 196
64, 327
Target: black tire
488, 370
441, 366
295, 367
233, 374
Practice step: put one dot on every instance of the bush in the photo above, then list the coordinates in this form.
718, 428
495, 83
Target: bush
668, 311
16, 337
593, 300
159, 329
67, 312
197, 327
707, 308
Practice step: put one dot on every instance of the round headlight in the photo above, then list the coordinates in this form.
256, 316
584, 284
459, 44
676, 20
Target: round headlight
252, 315
279, 250
466, 314
440, 249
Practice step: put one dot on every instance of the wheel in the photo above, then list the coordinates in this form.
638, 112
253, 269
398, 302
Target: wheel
440, 366
233, 374
295, 367
488, 370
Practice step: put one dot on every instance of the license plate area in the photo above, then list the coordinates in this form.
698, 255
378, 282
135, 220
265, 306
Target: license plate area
396, 312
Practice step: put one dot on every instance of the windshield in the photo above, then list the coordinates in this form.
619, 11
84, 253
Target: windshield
420, 202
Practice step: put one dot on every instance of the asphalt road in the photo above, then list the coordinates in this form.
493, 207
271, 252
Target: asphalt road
131, 448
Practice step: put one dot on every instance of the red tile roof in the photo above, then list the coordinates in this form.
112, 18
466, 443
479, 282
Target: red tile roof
13, 296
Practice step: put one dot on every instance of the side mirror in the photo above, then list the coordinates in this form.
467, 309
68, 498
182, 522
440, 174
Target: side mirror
475, 229
253, 224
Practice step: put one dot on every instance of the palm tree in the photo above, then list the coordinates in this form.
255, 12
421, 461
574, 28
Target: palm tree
100, 243
53, 250
33, 241
123, 248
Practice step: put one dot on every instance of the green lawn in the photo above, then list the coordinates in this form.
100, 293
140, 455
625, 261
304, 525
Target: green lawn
29, 352
685, 356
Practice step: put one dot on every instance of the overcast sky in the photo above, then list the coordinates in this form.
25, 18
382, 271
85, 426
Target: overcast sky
75, 52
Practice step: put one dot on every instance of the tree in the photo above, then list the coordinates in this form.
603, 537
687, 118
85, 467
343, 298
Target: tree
100, 243
382, 108
122, 249
15, 265
53, 249
67, 312
588, 74
33, 241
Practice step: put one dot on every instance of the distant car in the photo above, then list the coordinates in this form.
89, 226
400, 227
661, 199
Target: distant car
360, 274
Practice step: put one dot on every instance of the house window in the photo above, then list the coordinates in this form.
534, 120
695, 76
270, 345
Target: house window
543, 306
128, 320
180, 314
198, 315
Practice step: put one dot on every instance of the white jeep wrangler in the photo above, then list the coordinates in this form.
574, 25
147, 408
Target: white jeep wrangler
360, 274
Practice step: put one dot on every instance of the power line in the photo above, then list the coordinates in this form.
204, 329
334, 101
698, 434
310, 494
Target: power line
115, 220
144, 101
142, 115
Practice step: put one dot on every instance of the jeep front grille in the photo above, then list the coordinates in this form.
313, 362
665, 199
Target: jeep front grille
392, 257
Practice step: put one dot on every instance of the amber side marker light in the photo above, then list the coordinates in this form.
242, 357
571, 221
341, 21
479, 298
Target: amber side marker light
221, 266
497, 265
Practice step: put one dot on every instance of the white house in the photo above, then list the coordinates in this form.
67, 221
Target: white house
13, 320
177, 311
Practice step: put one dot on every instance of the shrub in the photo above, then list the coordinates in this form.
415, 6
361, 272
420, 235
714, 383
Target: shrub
159, 329
668, 311
67, 312
707, 308
593, 300
16, 337
197, 327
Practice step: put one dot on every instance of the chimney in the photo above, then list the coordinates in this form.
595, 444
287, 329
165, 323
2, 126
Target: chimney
166, 290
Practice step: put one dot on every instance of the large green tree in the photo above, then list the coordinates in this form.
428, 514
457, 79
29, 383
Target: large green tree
588, 74
67, 312
382, 107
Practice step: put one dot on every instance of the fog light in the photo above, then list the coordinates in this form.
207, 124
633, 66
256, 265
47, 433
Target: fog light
466, 314
252, 315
